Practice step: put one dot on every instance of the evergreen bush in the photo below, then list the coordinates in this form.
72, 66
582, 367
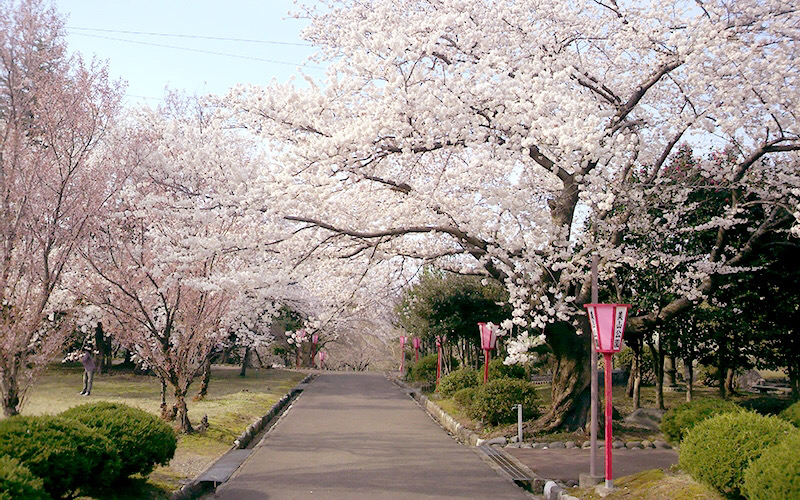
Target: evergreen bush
17, 481
499, 370
457, 380
66, 454
678, 420
775, 475
463, 398
142, 439
792, 414
493, 402
718, 450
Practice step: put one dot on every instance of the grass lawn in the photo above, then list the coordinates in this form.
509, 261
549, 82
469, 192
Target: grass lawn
231, 405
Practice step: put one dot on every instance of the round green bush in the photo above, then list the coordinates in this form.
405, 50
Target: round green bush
66, 454
678, 420
457, 380
494, 401
718, 450
17, 481
143, 440
463, 398
497, 369
792, 414
775, 475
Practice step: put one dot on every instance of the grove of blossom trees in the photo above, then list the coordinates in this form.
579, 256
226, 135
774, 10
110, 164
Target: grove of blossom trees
513, 139
54, 111
516, 139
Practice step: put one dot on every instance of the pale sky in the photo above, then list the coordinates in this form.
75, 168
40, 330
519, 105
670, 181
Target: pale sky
149, 63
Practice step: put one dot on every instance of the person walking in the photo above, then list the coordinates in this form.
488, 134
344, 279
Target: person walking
89, 365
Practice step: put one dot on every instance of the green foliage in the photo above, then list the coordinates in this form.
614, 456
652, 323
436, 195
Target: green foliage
718, 450
680, 419
66, 454
423, 370
775, 475
624, 360
464, 397
792, 414
499, 370
143, 440
493, 402
457, 380
442, 303
16, 481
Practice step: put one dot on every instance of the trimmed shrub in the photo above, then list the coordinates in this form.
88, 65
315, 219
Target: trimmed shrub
718, 450
792, 414
423, 370
66, 454
494, 401
17, 481
775, 475
499, 370
457, 380
143, 440
463, 398
678, 420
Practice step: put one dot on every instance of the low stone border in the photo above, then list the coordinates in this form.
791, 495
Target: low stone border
561, 445
196, 488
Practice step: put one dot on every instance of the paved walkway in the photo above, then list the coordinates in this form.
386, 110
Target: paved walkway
357, 435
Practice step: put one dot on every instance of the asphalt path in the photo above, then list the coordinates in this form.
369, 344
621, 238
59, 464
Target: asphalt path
356, 435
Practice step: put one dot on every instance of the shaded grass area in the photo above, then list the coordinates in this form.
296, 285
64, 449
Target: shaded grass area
650, 485
231, 405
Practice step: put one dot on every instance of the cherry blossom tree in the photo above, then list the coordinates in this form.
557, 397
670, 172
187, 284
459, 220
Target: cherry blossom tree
183, 244
517, 138
54, 111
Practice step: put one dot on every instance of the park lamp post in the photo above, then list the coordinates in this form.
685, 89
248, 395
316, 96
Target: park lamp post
439, 340
322, 356
402, 354
415, 343
607, 322
488, 342
314, 341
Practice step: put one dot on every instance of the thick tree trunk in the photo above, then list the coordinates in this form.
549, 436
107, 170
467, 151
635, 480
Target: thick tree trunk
245, 359
689, 369
730, 375
205, 379
11, 393
571, 380
658, 367
182, 412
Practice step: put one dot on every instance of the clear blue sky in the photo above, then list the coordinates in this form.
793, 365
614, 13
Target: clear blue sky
149, 63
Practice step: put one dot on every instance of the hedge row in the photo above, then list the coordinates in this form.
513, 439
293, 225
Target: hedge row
84, 449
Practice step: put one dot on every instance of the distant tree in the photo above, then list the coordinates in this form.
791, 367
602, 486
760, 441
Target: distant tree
443, 303
54, 113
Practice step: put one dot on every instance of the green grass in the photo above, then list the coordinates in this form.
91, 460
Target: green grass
231, 405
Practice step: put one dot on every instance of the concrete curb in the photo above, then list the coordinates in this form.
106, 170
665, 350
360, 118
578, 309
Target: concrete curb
553, 491
196, 488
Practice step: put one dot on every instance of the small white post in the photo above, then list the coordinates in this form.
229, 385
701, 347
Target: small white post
519, 423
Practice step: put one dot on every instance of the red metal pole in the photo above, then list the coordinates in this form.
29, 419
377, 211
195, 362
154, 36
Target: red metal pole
438, 361
609, 476
487, 353
402, 359
416, 355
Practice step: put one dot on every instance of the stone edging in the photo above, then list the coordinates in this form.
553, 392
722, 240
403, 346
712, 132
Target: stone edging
195, 488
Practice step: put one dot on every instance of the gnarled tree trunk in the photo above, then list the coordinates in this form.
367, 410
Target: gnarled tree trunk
571, 380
